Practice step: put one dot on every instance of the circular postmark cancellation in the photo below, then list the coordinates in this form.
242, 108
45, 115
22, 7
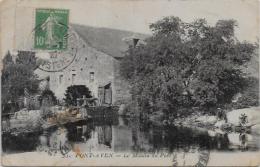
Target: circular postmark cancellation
55, 44
57, 60
203, 158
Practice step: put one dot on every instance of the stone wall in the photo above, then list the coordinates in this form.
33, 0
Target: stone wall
89, 61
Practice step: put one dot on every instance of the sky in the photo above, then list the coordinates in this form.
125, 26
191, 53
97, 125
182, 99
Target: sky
137, 15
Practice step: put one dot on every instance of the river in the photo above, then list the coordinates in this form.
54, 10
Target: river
120, 134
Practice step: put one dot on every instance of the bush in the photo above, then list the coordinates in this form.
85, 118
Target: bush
250, 96
48, 96
76, 91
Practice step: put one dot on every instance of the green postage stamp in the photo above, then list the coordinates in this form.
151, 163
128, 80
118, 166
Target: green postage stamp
51, 28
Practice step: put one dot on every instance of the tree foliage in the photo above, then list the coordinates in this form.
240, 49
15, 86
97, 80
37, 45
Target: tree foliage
18, 74
76, 91
250, 95
48, 98
187, 64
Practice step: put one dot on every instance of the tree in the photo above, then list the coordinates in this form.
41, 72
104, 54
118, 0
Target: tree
187, 64
76, 91
16, 76
7, 59
48, 98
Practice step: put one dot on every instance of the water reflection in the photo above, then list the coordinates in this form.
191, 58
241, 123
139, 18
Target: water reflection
104, 135
133, 135
120, 134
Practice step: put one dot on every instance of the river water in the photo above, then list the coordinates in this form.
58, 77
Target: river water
119, 134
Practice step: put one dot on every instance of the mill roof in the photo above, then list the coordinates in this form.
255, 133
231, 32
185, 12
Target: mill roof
107, 40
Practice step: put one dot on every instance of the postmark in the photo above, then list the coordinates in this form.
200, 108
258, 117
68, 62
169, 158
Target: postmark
203, 158
55, 43
204, 155
56, 144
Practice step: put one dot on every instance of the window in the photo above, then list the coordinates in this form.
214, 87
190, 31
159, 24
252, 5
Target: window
73, 78
91, 79
60, 79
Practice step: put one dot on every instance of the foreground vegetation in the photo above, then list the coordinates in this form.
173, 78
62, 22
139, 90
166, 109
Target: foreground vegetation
190, 65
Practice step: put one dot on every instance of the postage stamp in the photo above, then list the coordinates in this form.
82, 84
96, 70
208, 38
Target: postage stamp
51, 29
54, 42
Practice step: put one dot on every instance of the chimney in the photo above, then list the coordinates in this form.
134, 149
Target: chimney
14, 55
132, 40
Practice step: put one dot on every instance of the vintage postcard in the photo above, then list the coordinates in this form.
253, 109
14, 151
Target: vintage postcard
130, 83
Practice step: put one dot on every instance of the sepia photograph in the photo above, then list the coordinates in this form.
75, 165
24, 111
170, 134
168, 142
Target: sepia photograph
130, 82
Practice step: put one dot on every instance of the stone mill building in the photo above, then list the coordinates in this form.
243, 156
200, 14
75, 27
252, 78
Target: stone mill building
96, 65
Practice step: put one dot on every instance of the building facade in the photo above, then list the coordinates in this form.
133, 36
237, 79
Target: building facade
96, 65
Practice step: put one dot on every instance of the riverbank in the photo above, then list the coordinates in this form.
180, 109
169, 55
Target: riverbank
253, 115
211, 122
31, 121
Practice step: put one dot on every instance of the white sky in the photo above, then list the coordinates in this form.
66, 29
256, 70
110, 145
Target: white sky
136, 15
